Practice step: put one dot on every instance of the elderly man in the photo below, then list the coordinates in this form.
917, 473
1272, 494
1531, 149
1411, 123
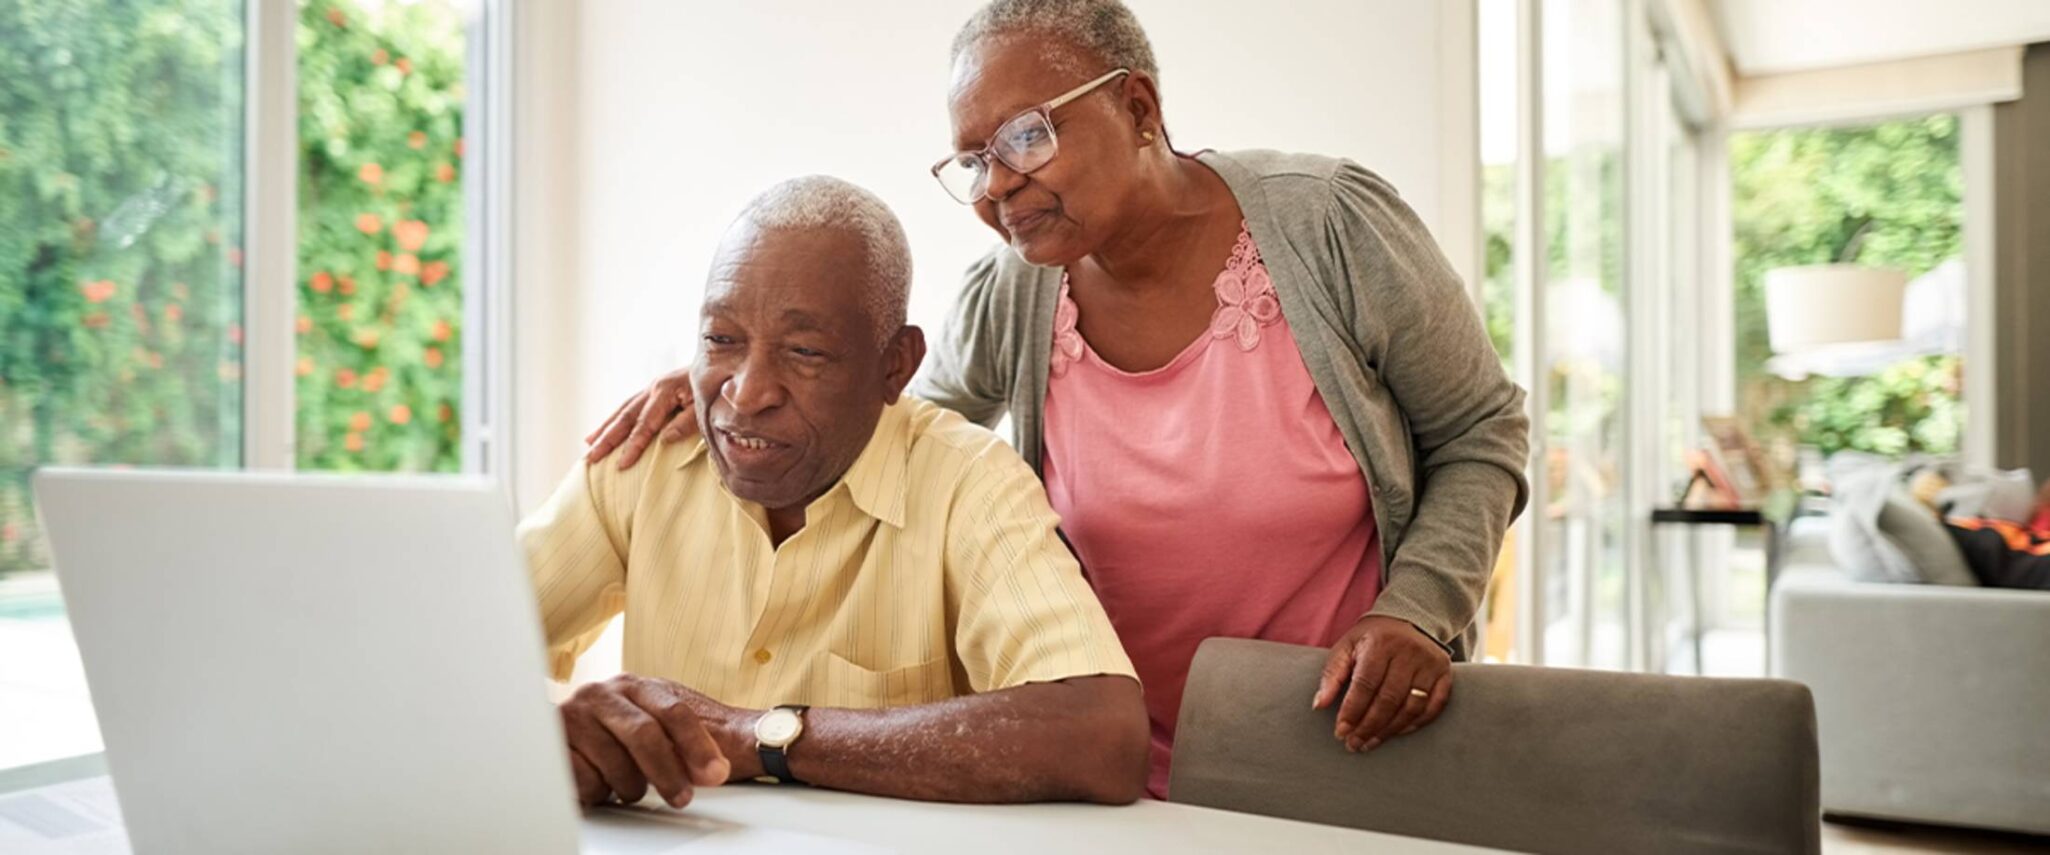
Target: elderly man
835, 585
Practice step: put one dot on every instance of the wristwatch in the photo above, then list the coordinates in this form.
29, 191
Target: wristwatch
775, 731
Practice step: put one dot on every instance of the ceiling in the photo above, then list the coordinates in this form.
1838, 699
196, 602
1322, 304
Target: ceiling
1771, 36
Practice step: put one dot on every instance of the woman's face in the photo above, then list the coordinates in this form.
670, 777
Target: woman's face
1065, 209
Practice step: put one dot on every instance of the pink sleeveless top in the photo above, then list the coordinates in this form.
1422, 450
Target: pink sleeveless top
1212, 496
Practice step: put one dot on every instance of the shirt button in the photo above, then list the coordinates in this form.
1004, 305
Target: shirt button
763, 656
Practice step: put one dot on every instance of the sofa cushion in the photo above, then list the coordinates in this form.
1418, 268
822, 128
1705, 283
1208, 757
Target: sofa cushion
1880, 533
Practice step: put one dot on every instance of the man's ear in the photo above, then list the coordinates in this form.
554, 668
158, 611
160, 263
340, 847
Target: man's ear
902, 356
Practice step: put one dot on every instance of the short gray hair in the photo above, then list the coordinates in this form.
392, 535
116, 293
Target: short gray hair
1103, 29
824, 202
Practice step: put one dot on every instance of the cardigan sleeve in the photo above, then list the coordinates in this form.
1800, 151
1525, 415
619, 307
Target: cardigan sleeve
966, 371
1413, 320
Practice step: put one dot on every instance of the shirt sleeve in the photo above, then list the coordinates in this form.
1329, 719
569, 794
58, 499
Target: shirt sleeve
577, 559
1024, 612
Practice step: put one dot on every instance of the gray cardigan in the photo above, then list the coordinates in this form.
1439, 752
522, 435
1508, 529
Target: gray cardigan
1391, 341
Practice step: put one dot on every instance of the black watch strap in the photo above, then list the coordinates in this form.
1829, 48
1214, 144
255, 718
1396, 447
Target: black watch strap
774, 761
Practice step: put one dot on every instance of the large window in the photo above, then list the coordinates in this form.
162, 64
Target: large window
1888, 195
127, 278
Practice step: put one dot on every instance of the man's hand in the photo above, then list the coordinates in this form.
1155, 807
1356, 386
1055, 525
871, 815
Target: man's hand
629, 733
1376, 665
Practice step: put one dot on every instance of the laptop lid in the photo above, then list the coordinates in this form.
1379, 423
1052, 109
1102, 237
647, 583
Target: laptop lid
291, 663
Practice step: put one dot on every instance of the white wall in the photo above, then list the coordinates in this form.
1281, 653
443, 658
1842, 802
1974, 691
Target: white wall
1769, 36
687, 109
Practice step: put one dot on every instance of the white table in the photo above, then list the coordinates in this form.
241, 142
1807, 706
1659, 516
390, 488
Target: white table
895, 825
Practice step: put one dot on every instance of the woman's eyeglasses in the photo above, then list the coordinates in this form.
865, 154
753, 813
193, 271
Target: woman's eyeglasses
1025, 143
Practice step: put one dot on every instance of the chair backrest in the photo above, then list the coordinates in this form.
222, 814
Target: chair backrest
1531, 759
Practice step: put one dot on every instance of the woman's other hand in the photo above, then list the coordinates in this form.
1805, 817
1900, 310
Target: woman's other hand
664, 409
1375, 667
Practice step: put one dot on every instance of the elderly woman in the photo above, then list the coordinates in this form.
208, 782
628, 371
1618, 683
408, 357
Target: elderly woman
1258, 396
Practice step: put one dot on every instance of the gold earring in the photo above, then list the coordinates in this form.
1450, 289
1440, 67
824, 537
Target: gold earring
1146, 135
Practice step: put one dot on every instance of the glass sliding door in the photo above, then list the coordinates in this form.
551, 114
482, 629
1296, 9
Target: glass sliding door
1585, 352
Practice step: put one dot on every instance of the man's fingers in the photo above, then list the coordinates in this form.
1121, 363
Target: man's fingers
591, 789
1368, 669
1388, 698
695, 749
615, 767
1337, 669
645, 739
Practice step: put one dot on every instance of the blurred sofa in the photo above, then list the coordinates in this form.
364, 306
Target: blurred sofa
1932, 702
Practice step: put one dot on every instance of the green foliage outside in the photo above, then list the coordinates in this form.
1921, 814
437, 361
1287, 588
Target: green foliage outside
1889, 195
121, 155
380, 237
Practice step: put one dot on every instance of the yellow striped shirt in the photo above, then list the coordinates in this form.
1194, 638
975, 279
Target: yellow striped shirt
930, 570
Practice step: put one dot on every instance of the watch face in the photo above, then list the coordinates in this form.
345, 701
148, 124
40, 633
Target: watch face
777, 728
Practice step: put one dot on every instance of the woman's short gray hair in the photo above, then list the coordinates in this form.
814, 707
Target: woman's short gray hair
824, 202
1103, 29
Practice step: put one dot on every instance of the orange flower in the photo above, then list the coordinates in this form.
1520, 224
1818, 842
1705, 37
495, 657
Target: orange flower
97, 292
305, 366
407, 264
400, 414
371, 173
156, 360
374, 382
444, 173
441, 331
348, 286
366, 339
345, 378
334, 16
416, 139
435, 271
359, 421
432, 356
404, 65
444, 413
322, 282
459, 146
235, 334
346, 311
412, 234
95, 321
10, 533
369, 224
305, 325
173, 313
380, 57
353, 442
235, 256
383, 260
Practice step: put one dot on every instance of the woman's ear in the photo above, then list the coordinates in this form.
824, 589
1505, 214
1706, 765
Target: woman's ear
1142, 104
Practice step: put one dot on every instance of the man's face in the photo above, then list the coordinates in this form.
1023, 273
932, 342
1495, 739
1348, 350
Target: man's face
790, 377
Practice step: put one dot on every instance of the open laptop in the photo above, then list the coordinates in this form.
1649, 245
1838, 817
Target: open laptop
288, 663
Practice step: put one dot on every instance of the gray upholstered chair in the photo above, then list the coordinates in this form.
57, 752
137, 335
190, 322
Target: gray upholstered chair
1531, 759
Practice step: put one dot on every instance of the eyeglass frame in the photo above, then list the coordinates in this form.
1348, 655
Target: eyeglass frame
1045, 112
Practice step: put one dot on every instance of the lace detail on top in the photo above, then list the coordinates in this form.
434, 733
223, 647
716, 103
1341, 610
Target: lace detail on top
1245, 305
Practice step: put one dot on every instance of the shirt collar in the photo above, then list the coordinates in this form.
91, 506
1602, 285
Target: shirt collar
879, 477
